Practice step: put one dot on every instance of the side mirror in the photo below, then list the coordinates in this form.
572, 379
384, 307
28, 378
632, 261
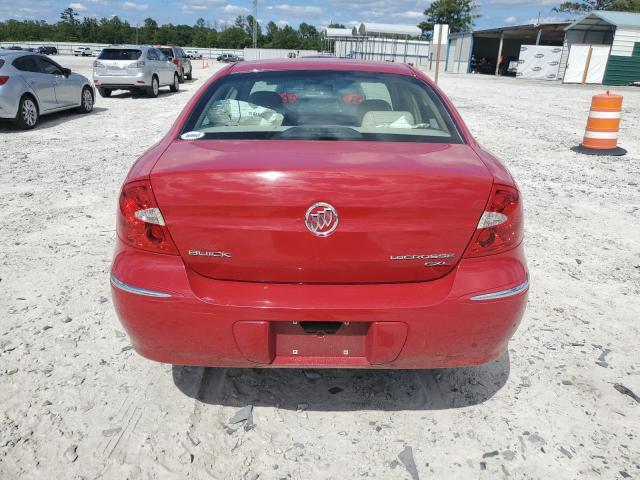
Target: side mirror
66, 72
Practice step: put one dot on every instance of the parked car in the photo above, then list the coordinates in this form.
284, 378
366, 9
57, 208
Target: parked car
82, 51
96, 52
48, 50
134, 68
180, 60
263, 234
15, 47
193, 54
229, 58
32, 85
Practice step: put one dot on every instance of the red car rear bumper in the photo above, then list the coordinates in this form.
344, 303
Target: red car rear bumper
176, 316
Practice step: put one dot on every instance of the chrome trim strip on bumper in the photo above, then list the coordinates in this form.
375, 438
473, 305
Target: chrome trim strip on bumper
137, 291
504, 293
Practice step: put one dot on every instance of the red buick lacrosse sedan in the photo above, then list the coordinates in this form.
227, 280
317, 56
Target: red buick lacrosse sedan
319, 213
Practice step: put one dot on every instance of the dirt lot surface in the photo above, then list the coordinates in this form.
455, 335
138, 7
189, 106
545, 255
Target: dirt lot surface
77, 402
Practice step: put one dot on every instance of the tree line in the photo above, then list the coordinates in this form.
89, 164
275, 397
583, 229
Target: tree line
114, 30
460, 15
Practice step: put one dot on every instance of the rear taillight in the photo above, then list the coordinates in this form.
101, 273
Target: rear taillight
140, 222
501, 226
288, 97
352, 99
176, 61
136, 65
3, 80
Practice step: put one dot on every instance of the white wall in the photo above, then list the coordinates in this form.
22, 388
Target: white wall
268, 53
459, 54
386, 49
581, 37
66, 48
624, 41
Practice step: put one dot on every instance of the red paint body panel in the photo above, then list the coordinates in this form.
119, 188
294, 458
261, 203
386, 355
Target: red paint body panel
196, 325
322, 64
246, 196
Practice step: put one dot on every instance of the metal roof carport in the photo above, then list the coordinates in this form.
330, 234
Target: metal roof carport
505, 42
621, 30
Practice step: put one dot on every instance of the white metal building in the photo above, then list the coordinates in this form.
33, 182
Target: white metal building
379, 29
611, 41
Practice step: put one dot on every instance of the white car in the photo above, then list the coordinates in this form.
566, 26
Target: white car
82, 51
193, 54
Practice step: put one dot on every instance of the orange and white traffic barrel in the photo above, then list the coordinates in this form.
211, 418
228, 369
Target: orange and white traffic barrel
601, 134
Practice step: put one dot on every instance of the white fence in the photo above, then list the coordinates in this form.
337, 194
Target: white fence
66, 48
384, 49
269, 53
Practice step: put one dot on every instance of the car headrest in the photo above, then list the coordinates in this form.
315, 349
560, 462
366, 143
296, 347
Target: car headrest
373, 106
380, 119
266, 99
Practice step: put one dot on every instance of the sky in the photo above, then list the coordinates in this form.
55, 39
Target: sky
217, 13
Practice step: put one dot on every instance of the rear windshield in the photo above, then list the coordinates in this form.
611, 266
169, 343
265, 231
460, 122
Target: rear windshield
120, 54
322, 105
168, 52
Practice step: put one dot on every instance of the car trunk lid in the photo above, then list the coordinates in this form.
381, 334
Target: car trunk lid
236, 209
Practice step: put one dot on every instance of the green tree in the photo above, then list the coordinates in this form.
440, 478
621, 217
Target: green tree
336, 25
147, 33
68, 25
626, 6
70, 16
89, 30
234, 37
117, 30
458, 14
287, 37
585, 6
310, 37
203, 36
249, 29
272, 29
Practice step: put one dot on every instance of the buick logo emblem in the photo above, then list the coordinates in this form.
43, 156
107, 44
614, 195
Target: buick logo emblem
321, 219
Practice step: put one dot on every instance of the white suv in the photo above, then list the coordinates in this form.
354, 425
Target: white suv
134, 68
82, 51
193, 54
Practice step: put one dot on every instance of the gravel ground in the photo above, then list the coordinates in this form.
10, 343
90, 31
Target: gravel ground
77, 402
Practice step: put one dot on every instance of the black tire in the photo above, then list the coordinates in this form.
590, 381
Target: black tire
154, 89
104, 92
175, 86
28, 113
181, 77
86, 100
190, 74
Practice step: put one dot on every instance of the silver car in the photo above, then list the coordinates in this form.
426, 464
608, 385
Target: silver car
134, 68
32, 85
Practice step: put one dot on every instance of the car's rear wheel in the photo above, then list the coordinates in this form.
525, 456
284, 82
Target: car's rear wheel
104, 92
86, 100
28, 114
176, 83
154, 89
190, 74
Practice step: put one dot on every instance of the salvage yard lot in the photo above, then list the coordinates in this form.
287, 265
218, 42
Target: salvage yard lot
77, 402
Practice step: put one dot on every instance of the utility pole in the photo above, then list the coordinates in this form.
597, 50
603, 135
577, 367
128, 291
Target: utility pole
254, 27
